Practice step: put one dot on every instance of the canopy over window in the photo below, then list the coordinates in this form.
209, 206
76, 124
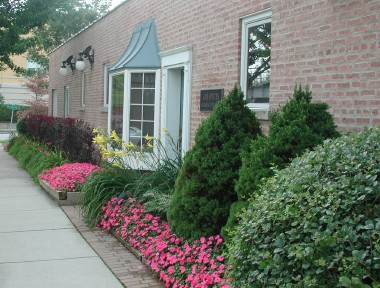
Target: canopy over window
142, 50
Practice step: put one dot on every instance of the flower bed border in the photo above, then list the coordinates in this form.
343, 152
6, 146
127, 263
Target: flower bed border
134, 251
63, 198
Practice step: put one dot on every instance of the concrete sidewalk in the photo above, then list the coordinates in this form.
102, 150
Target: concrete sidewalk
39, 246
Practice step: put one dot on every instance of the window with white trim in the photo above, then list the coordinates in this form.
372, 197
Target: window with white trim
255, 58
117, 100
106, 85
134, 106
66, 101
83, 98
141, 108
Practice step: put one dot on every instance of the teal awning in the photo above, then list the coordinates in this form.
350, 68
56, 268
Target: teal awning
142, 50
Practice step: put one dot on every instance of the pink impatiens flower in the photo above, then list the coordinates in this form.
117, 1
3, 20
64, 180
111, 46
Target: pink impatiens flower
68, 176
177, 262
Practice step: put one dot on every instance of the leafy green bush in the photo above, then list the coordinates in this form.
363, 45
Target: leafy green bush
5, 114
21, 126
204, 188
317, 222
35, 157
297, 126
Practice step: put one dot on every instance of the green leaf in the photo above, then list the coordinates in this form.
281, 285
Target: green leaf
344, 281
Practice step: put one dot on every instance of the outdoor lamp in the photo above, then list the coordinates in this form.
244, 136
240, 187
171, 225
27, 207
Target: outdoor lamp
63, 69
87, 53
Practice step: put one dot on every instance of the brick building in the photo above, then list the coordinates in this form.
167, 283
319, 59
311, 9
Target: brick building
161, 64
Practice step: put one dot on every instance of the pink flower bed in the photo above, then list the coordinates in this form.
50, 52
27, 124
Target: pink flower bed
177, 262
68, 176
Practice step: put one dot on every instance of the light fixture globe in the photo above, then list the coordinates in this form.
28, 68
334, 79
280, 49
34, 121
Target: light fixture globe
79, 65
63, 71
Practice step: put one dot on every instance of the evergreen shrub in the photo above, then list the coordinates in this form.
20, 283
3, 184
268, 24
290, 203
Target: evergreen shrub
315, 223
204, 188
297, 126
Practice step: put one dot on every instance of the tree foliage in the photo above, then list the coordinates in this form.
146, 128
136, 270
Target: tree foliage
64, 23
204, 189
22, 23
38, 83
259, 48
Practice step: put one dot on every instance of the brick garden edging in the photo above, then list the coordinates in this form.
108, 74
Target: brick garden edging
128, 268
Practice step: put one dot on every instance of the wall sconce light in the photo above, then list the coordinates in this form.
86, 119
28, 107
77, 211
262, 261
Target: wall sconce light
80, 65
63, 69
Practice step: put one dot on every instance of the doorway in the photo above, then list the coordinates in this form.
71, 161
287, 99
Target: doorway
175, 117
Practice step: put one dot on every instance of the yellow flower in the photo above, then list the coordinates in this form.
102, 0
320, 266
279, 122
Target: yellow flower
128, 145
165, 130
116, 164
148, 138
115, 137
95, 131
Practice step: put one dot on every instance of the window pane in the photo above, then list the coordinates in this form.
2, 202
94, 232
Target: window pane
148, 113
136, 96
117, 103
135, 132
258, 70
149, 80
148, 128
142, 108
136, 80
135, 112
149, 96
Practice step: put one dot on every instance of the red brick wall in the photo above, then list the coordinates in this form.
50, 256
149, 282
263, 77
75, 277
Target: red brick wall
334, 47
331, 45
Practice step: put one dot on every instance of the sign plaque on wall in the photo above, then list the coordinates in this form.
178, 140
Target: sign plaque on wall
209, 97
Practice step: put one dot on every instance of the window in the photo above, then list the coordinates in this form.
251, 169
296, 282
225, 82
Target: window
54, 103
133, 106
83, 101
117, 94
66, 99
134, 86
141, 115
106, 85
255, 59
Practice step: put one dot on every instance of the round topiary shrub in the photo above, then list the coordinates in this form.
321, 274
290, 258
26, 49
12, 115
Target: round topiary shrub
317, 222
204, 188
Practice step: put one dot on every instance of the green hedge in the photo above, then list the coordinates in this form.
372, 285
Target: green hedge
6, 114
35, 157
317, 222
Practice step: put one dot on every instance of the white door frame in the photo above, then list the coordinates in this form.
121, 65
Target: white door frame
175, 59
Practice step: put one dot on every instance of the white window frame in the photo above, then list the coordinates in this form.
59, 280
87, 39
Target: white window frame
248, 21
106, 83
66, 101
83, 94
126, 109
54, 103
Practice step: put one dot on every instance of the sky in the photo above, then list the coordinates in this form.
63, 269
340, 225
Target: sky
115, 3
